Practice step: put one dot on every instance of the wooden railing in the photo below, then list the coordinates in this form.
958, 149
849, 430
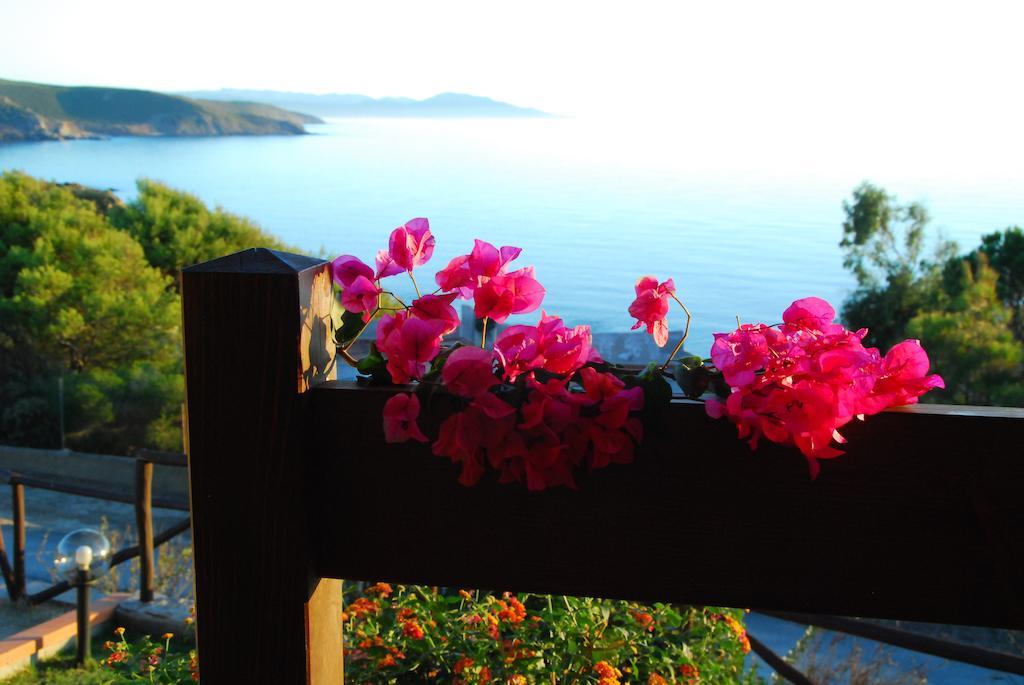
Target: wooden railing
292, 488
142, 499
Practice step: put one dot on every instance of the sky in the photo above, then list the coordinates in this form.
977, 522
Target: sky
924, 75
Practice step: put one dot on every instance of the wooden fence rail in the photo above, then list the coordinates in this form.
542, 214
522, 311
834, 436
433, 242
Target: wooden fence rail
142, 499
921, 520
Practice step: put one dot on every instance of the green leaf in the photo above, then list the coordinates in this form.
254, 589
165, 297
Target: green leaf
692, 376
351, 324
374, 366
657, 391
437, 364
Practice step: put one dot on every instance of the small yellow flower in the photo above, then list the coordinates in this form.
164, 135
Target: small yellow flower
168, 636
189, 620
119, 630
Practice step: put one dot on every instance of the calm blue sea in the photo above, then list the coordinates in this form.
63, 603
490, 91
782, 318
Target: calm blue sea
743, 228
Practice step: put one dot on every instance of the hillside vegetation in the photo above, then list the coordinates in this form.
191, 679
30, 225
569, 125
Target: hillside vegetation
444, 105
967, 309
32, 111
88, 294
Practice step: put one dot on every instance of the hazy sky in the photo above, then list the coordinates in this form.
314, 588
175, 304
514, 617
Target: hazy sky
922, 71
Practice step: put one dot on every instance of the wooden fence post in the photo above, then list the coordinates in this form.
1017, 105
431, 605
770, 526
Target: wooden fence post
144, 526
257, 334
5, 567
18, 498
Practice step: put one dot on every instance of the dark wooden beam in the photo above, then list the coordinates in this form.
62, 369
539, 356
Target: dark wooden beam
922, 519
257, 333
161, 458
55, 484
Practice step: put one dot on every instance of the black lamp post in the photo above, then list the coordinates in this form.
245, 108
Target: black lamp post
81, 558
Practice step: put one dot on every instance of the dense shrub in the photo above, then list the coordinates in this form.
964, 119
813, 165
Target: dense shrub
88, 294
414, 634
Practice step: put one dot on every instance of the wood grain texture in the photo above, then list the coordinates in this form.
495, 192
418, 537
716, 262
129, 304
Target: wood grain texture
254, 342
922, 519
18, 505
324, 628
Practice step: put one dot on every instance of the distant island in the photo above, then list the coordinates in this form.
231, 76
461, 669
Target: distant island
33, 111
342, 105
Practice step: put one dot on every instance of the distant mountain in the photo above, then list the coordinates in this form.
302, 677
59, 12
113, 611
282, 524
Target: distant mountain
342, 105
33, 111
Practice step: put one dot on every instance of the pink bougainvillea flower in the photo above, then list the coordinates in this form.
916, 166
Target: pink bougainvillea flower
469, 371
812, 314
527, 292
437, 308
411, 244
486, 261
903, 377
613, 432
346, 268
808, 412
519, 350
461, 439
400, 414
741, 354
467, 274
409, 343
800, 384
361, 296
651, 307
565, 349
456, 277
386, 266
492, 406
554, 432
500, 296
493, 300
549, 345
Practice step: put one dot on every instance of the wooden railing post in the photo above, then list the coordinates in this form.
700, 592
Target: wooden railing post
18, 498
257, 334
5, 567
144, 526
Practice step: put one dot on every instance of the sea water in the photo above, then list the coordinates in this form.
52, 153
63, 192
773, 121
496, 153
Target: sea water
743, 225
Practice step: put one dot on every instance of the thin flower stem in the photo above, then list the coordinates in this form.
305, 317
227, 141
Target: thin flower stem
349, 359
366, 324
413, 279
397, 298
686, 332
483, 335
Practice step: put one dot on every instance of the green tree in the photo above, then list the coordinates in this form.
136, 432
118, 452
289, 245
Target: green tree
884, 246
971, 342
177, 229
79, 300
1004, 252
966, 309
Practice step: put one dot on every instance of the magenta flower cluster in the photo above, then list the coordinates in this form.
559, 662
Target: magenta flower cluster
542, 404
798, 383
